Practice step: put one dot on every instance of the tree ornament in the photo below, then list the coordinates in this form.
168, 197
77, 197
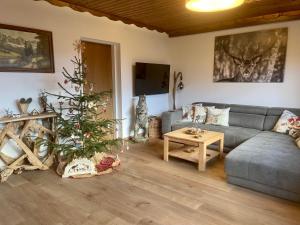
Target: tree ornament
87, 135
92, 105
60, 106
91, 87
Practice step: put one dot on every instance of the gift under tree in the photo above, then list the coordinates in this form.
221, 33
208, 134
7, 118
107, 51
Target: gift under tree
83, 134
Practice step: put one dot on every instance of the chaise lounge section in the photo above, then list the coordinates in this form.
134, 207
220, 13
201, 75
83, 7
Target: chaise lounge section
258, 158
268, 162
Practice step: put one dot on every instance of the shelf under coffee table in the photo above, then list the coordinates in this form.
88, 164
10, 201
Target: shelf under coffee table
195, 148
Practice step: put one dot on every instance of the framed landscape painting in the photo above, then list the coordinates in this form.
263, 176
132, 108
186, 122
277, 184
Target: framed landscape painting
25, 50
255, 57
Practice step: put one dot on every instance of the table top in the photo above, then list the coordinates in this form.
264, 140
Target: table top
205, 136
28, 117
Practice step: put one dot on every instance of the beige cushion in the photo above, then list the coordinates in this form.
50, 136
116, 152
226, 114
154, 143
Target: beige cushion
295, 133
218, 116
200, 113
298, 142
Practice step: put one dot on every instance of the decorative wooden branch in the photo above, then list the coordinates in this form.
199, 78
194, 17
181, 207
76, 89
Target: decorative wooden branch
177, 76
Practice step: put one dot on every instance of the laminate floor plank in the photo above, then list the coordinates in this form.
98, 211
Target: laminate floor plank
144, 191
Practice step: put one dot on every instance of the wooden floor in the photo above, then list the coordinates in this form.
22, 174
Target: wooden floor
145, 191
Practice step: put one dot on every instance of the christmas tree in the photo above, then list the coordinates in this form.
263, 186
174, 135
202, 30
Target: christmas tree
80, 129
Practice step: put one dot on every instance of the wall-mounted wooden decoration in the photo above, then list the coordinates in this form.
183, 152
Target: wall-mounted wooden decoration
257, 57
25, 50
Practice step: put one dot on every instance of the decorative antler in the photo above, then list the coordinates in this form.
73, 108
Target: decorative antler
237, 60
260, 55
231, 55
264, 52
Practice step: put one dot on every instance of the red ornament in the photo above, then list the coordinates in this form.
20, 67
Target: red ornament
66, 81
105, 164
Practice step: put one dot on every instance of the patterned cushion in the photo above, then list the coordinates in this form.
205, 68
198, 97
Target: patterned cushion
188, 113
282, 125
200, 113
218, 116
298, 142
294, 126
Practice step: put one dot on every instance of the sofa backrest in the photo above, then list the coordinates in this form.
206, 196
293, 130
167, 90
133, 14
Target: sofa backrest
217, 105
243, 115
256, 117
247, 116
274, 114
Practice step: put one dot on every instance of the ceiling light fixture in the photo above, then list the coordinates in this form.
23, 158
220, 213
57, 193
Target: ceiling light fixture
212, 5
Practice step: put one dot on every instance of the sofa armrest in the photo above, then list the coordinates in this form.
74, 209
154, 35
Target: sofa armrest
169, 118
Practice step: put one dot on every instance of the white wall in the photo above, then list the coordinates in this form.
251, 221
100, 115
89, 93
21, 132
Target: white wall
67, 26
194, 56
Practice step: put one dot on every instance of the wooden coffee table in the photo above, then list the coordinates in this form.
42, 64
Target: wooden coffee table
195, 148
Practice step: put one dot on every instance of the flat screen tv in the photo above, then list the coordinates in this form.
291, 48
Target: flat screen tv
151, 79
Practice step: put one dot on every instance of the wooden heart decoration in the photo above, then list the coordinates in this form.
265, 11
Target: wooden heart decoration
24, 104
25, 101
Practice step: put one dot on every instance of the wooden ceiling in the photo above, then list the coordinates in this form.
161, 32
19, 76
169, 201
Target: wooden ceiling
172, 17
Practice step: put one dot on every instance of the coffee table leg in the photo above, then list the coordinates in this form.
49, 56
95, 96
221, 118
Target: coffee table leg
202, 157
221, 147
166, 148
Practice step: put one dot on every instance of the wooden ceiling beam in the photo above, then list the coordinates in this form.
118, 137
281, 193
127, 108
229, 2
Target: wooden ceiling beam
98, 13
171, 17
238, 23
203, 24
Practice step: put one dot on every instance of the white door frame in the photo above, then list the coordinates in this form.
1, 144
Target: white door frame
116, 77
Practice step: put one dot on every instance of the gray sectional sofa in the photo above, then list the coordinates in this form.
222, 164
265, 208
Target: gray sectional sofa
258, 158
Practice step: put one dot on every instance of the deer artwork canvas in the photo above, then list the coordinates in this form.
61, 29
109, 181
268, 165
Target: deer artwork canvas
257, 57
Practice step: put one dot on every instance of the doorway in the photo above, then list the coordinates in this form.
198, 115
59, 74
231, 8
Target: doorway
102, 63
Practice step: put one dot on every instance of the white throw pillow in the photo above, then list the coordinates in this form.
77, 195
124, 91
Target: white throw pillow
282, 125
188, 113
200, 113
218, 116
